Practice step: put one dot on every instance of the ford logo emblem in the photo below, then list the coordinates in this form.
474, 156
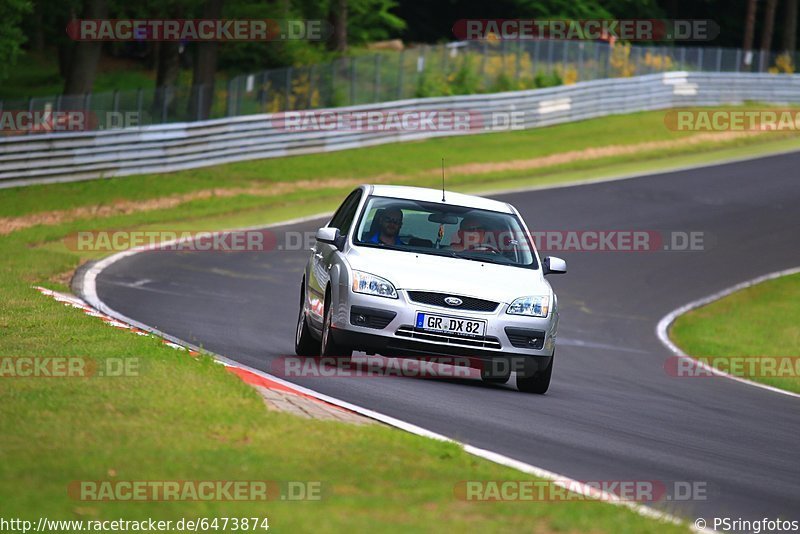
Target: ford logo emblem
453, 301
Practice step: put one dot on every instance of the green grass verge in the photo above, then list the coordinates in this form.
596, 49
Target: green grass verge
760, 321
410, 163
186, 418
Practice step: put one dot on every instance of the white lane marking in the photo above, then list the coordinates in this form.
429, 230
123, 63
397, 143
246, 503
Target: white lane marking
593, 345
90, 295
662, 329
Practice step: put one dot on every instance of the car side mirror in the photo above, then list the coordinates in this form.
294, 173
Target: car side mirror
331, 236
553, 265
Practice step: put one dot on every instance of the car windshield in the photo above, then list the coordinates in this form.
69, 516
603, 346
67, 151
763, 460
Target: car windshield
444, 230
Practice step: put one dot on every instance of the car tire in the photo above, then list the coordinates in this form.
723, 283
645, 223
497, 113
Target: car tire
328, 346
304, 342
536, 381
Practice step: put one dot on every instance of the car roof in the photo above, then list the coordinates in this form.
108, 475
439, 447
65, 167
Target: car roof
435, 195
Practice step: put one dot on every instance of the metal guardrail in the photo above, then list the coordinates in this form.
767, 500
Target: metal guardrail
63, 157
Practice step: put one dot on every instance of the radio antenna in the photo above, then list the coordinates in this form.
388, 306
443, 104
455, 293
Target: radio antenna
443, 180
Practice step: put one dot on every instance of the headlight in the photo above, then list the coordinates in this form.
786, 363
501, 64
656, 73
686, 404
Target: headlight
534, 306
373, 285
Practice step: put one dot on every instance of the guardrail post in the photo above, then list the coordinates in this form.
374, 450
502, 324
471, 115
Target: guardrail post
332, 94
311, 75
400, 67
287, 89
199, 111
139, 104
352, 80
30, 110
115, 101
262, 94
719, 59
377, 93
164, 102
230, 111
484, 53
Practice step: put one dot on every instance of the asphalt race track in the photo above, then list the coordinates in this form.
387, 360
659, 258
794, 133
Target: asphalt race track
612, 412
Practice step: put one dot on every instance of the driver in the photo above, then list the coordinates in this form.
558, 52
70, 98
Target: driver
470, 235
389, 225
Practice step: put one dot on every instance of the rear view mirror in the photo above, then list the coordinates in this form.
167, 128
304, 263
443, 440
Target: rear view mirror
331, 236
554, 265
442, 218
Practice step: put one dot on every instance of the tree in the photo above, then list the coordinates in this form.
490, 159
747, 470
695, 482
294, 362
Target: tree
83, 62
372, 20
205, 68
337, 16
790, 28
769, 25
11, 34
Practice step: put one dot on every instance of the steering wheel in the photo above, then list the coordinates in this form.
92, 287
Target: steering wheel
484, 247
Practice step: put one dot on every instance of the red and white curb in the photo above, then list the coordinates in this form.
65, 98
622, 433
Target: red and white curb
662, 329
76, 302
245, 375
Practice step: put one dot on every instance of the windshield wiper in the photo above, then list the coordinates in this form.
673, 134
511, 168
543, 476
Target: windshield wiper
482, 260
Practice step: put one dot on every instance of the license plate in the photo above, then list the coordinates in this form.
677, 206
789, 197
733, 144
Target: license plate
450, 325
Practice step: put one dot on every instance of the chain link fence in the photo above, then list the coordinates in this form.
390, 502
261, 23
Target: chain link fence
467, 67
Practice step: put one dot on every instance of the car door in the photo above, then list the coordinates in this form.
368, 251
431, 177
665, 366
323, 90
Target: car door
323, 257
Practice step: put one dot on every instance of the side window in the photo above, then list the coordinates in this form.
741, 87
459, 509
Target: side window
344, 216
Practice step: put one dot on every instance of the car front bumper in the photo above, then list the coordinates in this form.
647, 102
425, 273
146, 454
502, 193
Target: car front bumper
390, 330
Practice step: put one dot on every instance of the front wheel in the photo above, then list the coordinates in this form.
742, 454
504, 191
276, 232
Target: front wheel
537, 381
329, 348
304, 342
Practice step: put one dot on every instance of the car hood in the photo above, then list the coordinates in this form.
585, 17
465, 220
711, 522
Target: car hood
426, 272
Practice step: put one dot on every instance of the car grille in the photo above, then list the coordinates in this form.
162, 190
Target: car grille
437, 299
486, 342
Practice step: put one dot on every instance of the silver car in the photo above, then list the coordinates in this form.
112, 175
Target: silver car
414, 272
